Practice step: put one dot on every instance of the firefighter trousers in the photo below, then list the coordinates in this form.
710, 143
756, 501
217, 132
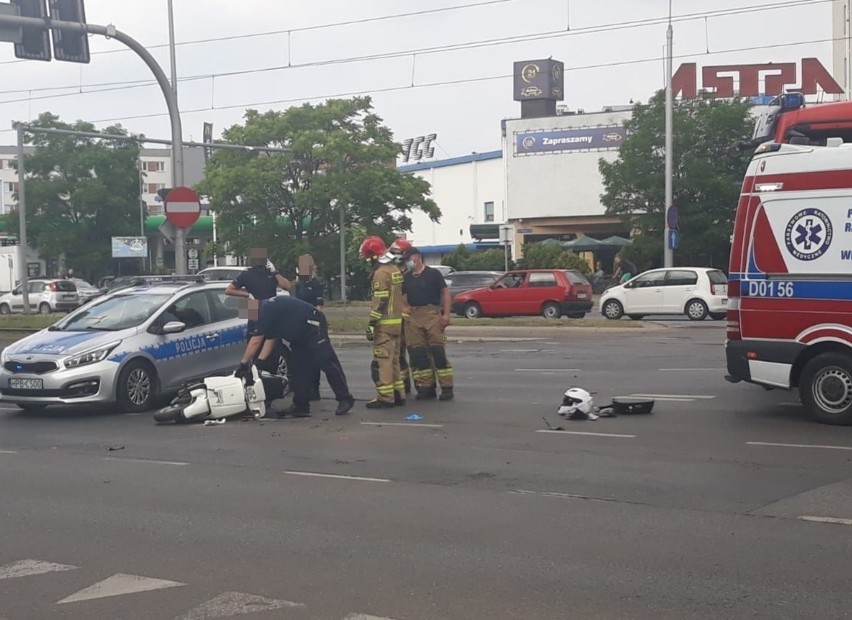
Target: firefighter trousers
385, 365
427, 352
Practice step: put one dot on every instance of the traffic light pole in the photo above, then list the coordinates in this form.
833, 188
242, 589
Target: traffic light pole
169, 93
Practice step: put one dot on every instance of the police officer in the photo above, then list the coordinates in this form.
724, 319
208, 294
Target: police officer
428, 297
258, 281
306, 329
385, 324
310, 290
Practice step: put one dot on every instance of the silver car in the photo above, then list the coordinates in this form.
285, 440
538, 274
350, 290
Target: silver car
46, 296
126, 347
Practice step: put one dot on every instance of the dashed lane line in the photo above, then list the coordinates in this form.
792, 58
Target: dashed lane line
693, 369
831, 520
8, 451
311, 474
548, 369
587, 434
402, 424
675, 396
797, 445
148, 461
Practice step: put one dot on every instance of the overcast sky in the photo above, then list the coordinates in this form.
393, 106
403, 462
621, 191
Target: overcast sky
465, 114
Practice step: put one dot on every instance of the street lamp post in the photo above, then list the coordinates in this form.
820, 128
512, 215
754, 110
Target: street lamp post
334, 204
668, 256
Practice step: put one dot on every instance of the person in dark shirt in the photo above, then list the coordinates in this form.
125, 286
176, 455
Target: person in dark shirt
427, 296
310, 290
306, 329
258, 281
625, 269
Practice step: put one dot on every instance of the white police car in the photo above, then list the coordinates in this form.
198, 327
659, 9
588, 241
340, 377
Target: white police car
127, 347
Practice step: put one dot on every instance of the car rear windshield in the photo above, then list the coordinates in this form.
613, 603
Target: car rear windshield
575, 277
113, 314
717, 277
65, 285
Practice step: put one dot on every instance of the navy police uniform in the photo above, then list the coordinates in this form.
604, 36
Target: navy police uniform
311, 291
306, 329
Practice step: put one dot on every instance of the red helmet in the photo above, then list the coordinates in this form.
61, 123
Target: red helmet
400, 245
372, 248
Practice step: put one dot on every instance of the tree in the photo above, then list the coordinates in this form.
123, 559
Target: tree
80, 192
706, 181
462, 259
549, 256
336, 151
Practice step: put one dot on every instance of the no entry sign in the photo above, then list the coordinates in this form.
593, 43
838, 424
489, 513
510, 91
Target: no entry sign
182, 207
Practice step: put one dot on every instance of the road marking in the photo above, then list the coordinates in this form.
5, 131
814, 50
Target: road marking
548, 369
590, 434
335, 476
674, 396
402, 424
118, 585
692, 369
8, 451
797, 445
234, 604
365, 617
25, 568
832, 520
518, 350
152, 461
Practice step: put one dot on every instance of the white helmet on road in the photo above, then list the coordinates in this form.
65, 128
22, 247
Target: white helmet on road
578, 404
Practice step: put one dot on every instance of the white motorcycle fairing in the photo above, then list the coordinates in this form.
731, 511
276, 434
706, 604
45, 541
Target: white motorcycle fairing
217, 397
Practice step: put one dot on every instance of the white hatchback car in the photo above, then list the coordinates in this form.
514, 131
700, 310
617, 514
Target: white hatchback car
694, 291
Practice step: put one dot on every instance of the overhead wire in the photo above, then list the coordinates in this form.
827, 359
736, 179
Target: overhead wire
446, 48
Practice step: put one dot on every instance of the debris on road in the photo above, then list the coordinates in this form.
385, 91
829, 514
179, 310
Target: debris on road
413, 417
214, 422
114, 448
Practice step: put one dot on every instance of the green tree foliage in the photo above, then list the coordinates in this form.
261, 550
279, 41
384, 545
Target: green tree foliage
462, 259
706, 181
548, 256
80, 192
338, 150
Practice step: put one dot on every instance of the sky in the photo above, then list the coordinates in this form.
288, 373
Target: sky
612, 50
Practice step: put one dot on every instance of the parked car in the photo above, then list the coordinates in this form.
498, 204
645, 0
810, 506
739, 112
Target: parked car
127, 347
444, 269
549, 292
461, 281
221, 274
45, 295
697, 292
86, 291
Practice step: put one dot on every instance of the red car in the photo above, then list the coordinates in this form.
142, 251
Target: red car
548, 292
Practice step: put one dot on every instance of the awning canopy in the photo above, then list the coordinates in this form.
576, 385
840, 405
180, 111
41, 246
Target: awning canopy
485, 231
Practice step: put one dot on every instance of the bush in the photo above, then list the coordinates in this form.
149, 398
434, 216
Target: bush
548, 256
461, 259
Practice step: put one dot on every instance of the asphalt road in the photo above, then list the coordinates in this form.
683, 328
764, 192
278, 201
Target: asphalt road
726, 502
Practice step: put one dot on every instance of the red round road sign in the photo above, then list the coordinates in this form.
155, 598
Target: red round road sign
182, 206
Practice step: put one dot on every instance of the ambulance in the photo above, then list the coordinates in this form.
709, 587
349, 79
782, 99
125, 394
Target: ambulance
789, 318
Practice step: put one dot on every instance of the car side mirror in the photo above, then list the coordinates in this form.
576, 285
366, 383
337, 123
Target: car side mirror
629, 285
173, 327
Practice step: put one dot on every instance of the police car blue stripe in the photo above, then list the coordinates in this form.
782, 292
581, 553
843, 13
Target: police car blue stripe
186, 347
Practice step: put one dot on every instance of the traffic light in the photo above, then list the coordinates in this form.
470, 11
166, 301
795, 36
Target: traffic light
69, 45
35, 44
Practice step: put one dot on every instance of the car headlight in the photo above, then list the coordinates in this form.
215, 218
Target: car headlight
90, 357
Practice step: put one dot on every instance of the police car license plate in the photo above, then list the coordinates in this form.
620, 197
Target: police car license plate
26, 384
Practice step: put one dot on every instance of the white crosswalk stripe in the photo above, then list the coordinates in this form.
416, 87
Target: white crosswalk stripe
25, 568
231, 604
225, 605
118, 585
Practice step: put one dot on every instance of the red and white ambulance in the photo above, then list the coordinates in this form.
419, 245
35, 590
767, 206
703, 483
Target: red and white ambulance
790, 281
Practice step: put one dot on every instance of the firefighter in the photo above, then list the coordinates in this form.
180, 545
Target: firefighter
385, 325
397, 248
427, 295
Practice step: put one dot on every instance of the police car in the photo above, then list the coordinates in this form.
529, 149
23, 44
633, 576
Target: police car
127, 347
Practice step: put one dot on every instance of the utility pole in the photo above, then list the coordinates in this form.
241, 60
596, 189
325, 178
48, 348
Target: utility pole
22, 220
668, 255
180, 233
337, 203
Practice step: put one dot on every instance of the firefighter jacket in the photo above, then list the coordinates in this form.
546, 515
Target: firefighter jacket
387, 302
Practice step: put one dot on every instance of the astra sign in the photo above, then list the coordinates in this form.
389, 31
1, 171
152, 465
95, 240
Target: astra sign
725, 81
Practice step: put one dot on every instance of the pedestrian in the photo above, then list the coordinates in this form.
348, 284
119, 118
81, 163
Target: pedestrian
310, 290
306, 329
397, 248
428, 297
385, 326
624, 269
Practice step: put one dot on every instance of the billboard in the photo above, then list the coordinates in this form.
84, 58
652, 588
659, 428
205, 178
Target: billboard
539, 79
559, 140
129, 247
